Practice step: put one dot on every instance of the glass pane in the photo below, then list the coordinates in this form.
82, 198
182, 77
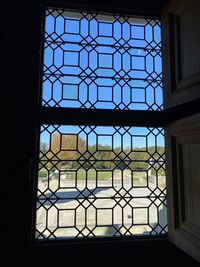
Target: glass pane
100, 181
101, 61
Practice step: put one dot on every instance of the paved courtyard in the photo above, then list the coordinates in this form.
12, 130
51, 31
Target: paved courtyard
106, 208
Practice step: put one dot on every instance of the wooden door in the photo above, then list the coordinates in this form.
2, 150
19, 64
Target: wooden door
181, 85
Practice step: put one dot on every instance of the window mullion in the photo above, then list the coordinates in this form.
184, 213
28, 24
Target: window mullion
101, 117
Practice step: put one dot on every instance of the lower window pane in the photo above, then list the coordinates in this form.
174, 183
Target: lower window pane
100, 181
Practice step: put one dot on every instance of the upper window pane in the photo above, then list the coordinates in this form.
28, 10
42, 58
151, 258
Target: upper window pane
101, 61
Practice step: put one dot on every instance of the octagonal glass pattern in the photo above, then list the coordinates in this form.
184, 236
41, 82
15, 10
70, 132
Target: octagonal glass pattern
98, 181
101, 61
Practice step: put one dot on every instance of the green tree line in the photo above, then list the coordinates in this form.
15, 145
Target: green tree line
71, 151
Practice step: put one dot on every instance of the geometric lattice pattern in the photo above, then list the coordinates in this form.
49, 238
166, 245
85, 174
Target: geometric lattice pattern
100, 181
101, 61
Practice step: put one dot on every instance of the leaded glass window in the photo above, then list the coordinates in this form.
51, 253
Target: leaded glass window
100, 180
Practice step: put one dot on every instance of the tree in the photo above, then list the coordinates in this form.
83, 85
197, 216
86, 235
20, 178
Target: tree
43, 147
102, 156
66, 148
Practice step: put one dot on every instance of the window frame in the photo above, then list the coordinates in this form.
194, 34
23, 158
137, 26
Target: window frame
77, 116
104, 117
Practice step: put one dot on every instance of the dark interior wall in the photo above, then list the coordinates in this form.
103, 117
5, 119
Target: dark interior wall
23, 25
22, 51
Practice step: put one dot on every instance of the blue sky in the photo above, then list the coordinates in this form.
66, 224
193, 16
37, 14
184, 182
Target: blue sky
107, 135
63, 54
66, 53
